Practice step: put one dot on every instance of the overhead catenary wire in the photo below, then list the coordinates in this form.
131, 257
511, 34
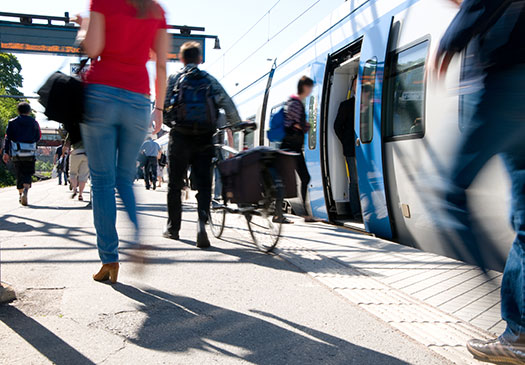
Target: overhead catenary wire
267, 13
270, 39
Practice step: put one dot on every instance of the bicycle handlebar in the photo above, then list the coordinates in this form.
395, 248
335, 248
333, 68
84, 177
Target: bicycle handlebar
241, 126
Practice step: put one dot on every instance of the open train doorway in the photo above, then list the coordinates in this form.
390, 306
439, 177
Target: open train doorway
339, 137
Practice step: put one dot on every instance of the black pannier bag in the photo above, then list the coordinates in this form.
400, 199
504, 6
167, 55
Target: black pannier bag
242, 175
62, 96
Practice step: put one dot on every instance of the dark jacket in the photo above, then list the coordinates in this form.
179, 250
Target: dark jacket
295, 125
496, 27
344, 126
24, 129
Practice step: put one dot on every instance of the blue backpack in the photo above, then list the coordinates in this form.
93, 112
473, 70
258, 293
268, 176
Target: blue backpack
277, 132
192, 104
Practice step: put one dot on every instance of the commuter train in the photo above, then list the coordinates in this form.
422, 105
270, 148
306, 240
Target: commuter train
404, 145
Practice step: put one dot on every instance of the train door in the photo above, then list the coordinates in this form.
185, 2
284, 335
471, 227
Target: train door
369, 141
338, 136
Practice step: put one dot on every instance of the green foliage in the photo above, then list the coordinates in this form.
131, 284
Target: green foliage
10, 81
42, 166
6, 178
7, 110
10, 74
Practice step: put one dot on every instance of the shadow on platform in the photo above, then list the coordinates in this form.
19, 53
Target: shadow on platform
172, 323
43, 340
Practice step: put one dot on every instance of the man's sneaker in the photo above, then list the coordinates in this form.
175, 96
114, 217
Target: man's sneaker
202, 236
170, 235
282, 220
497, 351
23, 197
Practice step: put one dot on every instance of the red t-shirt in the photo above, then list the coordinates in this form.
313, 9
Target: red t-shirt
129, 40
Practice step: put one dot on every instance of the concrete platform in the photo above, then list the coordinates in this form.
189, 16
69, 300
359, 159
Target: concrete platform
338, 297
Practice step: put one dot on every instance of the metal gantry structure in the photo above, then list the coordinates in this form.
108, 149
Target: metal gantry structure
33, 33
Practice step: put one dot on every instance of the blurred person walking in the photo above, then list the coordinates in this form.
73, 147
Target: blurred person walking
119, 36
151, 151
22, 135
494, 29
191, 137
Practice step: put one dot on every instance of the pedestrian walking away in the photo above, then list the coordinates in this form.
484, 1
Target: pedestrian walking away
295, 127
22, 135
59, 160
193, 122
119, 36
495, 29
78, 169
163, 162
151, 150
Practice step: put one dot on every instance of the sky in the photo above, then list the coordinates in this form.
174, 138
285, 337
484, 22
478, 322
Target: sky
228, 19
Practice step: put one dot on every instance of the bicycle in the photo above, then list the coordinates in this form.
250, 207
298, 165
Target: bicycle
263, 217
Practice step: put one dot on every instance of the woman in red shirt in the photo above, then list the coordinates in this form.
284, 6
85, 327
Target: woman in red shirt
119, 37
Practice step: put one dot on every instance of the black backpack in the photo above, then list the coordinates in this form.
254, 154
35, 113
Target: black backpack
191, 107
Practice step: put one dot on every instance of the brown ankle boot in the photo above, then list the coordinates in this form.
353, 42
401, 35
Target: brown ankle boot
107, 272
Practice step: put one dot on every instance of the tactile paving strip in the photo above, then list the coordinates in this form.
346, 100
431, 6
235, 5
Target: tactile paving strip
439, 331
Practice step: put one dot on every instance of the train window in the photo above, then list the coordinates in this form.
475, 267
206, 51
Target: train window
406, 93
366, 124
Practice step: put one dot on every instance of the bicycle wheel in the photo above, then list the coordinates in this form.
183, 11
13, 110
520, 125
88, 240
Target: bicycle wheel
217, 212
264, 228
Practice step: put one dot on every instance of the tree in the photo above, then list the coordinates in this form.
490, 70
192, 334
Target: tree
10, 74
10, 81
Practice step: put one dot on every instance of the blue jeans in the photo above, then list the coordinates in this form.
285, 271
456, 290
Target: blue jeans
497, 127
60, 174
114, 128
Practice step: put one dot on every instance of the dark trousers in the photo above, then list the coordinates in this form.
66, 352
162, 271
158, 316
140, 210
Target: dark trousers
304, 175
61, 173
293, 141
150, 171
186, 151
25, 169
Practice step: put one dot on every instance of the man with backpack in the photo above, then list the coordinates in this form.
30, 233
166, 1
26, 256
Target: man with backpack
22, 135
295, 127
192, 106
494, 29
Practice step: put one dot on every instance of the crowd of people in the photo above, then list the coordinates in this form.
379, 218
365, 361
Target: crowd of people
119, 126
